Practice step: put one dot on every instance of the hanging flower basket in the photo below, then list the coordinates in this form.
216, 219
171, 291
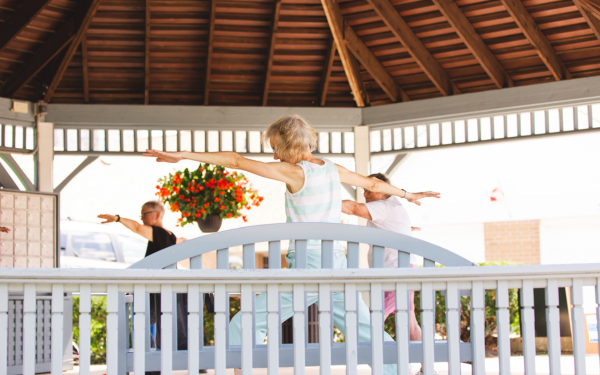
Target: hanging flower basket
211, 224
207, 191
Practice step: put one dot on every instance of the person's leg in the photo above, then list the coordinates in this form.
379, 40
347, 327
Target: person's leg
415, 330
390, 304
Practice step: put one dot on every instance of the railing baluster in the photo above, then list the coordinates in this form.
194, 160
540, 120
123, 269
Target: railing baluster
85, 308
453, 328
299, 329
376, 329
428, 263
325, 328
57, 326
139, 329
195, 307
273, 328
553, 326
166, 319
327, 254
427, 326
579, 326
402, 328
353, 254
249, 257
503, 327
274, 254
478, 327
220, 329
4, 330
591, 125
196, 262
247, 328
528, 326
598, 279
351, 334
378, 257
112, 329
223, 259
301, 260
403, 259
39, 340
29, 330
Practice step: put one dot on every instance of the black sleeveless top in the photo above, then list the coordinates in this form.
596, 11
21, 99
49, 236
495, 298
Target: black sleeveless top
161, 239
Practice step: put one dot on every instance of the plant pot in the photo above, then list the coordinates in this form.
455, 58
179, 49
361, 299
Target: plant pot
211, 224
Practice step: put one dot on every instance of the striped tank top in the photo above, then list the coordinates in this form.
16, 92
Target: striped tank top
319, 200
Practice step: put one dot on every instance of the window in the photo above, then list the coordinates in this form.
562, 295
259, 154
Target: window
93, 246
133, 248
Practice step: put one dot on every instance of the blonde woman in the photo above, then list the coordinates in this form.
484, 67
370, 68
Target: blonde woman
313, 194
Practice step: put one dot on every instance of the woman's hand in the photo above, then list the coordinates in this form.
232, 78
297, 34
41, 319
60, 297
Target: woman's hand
4, 230
108, 218
164, 157
414, 197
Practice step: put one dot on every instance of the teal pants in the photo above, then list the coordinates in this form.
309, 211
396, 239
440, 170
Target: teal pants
314, 261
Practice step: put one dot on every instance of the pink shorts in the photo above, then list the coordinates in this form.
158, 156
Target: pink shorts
390, 301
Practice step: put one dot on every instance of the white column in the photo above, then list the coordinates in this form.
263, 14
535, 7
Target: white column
45, 156
362, 159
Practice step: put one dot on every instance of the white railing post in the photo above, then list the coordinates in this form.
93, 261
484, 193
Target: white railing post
139, 329
112, 329
195, 307
427, 327
29, 318
220, 329
598, 279
4, 329
166, 334
528, 326
325, 337
85, 323
402, 328
273, 329
58, 304
553, 326
579, 326
299, 328
478, 327
376, 329
503, 327
453, 328
351, 334
247, 328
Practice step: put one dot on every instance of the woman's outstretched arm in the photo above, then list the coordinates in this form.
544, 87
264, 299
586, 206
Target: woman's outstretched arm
378, 186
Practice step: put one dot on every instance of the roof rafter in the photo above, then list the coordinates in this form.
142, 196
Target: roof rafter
329, 58
592, 21
211, 37
537, 39
415, 47
336, 24
474, 42
83, 17
85, 70
276, 11
373, 66
19, 20
147, 56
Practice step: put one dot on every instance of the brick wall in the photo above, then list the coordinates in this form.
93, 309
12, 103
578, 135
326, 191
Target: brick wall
517, 241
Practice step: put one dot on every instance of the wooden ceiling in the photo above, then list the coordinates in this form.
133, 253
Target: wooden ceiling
340, 53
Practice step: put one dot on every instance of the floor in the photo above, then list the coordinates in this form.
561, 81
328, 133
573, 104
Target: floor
491, 366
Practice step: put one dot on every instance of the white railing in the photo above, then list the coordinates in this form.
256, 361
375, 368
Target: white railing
298, 282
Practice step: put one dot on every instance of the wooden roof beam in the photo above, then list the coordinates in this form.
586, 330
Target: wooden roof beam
592, 21
329, 58
415, 47
336, 24
474, 42
211, 38
147, 56
83, 17
19, 20
537, 39
373, 66
85, 71
276, 11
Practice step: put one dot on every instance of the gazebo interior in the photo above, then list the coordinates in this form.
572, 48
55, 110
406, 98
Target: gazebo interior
344, 53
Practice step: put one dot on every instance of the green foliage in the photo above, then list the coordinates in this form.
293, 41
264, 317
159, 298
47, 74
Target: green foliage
98, 328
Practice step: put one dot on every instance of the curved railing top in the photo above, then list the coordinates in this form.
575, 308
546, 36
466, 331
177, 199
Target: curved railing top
300, 231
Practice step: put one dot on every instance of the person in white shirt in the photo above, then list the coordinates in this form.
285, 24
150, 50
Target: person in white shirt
386, 212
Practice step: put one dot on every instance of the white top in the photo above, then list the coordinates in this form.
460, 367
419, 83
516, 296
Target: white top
389, 214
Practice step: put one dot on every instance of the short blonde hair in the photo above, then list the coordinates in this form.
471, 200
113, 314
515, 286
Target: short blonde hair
155, 206
295, 136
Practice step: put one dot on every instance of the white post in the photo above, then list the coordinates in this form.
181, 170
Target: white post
85, 308
402, 328
166, 319
45, 156
195, 307
553, 324
299, 327
453, 328
247, 328
112, 329
4, 328
362, 159
351, 333
273, 329
139, 329
578, 326
29, 310
376, 329
528, 325
325, 328
503, 324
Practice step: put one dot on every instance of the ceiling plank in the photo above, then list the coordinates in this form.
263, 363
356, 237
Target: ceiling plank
537, 39
474, 42
85, 69
211, 38
276, 11
19, 20
415, 47
42, 56
336, 25
329, 58
83, 17
147, 56
591, 20
593, 6
383, 78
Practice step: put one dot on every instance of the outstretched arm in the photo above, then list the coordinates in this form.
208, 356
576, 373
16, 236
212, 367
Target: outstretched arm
356, 209
143, 230
291, 174
378, 186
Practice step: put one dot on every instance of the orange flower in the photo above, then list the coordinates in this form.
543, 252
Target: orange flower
229, 215
244, 217
221, 193
186, 214
181, 197
217, 199
201, 188
222, 207
206, 204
